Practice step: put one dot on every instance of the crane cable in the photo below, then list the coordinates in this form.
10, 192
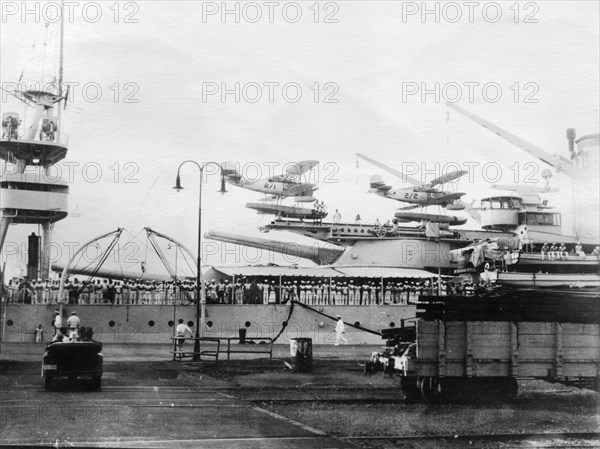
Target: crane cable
356, 326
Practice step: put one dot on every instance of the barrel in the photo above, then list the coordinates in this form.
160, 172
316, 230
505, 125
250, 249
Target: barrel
301, 353
242, 334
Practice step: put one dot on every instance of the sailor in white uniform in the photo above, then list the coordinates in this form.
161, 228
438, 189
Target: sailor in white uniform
340, 329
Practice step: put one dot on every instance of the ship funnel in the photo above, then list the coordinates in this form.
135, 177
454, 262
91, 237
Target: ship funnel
571, 138
321, 255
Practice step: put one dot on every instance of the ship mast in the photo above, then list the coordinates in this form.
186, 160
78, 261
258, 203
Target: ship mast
60, 67
37, 200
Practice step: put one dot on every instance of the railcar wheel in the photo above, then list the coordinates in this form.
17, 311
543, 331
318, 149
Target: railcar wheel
511, 388
410, 388
430, 388
96, 382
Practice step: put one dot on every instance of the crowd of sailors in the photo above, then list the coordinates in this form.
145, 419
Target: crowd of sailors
313, 291
11, 123
554, 251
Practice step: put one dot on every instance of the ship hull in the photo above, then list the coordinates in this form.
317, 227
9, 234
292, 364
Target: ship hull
150, 323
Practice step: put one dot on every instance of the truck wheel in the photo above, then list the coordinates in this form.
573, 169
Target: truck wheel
47, 382
96, 382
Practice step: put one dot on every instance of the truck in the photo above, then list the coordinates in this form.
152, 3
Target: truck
77, 357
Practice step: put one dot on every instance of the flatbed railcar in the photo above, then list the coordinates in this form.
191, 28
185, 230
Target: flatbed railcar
458, 348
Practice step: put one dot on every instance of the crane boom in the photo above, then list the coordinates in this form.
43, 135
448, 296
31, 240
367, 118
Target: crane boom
559, 163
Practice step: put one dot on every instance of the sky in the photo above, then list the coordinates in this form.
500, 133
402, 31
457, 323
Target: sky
156, 83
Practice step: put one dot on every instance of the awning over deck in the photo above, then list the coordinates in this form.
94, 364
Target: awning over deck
385, 272
258, 271
317, 272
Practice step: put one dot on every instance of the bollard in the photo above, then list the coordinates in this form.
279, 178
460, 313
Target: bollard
301, 352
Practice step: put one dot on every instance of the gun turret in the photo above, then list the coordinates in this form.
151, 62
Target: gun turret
321, 255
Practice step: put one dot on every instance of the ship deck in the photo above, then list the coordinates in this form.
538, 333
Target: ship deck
47, 153
347, 232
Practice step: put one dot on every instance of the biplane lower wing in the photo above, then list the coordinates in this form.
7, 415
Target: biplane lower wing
446, 198
413, 206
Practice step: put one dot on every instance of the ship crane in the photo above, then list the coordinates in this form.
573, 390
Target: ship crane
581, 167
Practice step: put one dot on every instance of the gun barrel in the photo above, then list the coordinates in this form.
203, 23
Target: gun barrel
319, 254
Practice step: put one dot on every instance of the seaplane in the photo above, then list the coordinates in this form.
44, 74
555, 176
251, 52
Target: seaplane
419, 194
288, 184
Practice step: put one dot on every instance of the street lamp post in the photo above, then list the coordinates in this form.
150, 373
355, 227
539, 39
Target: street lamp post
200, 293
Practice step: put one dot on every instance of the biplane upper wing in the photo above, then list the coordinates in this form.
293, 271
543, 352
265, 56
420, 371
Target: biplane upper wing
294, 172
299, 168
448, 177
559, 163
394, 172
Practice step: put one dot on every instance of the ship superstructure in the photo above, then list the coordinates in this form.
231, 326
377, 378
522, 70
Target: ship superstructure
519, 219
580, 168
29, 192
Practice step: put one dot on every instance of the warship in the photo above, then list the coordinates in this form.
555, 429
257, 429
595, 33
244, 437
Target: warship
514, 228
514, 218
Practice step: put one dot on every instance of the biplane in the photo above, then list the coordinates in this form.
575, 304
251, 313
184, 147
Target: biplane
289, 184
419, 194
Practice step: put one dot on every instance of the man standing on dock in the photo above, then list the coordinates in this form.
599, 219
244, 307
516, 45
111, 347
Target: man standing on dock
182, 330
340, 329
57, 322
73, 323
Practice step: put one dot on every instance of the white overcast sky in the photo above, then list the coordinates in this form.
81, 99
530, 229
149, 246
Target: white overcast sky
369, 54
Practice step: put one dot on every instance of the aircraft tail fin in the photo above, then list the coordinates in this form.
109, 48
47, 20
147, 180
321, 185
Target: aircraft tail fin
378, 185
229, 170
